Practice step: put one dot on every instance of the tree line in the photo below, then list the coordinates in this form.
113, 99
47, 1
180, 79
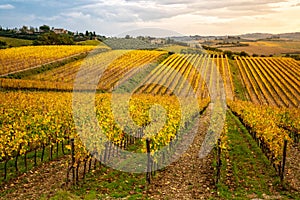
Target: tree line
44, 35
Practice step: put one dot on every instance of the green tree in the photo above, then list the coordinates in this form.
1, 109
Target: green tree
24, 29
44, 28
52, 38
243, 53
31, 29
229, 54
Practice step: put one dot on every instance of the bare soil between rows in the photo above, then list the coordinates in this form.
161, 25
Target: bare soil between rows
189, 177
42, 181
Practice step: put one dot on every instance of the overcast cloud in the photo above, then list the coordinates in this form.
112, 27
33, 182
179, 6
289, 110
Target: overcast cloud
203, 17
6, 6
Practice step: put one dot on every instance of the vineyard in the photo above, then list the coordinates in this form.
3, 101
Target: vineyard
98, 110
22, 58
40, 119
191, 73
271, 81
263, 123
110, 65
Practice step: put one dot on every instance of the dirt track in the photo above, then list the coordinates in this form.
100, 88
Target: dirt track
189, 177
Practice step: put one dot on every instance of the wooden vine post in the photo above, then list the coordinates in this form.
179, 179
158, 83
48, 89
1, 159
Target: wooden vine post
219, 161
73, 159
148, 174
283, 160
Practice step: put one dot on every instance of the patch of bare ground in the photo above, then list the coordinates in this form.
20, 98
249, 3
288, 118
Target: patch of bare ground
189, 177
292, 175
44, 180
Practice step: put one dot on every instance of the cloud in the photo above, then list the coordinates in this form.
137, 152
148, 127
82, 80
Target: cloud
210, 4
6, 6
193, 16
131, 11
185, 16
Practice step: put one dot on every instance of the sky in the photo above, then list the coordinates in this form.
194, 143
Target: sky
184, 17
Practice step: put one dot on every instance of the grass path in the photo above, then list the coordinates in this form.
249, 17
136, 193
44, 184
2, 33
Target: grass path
246, 173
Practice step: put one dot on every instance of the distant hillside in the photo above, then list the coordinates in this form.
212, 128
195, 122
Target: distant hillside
132, 43
294, 36
258, 36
